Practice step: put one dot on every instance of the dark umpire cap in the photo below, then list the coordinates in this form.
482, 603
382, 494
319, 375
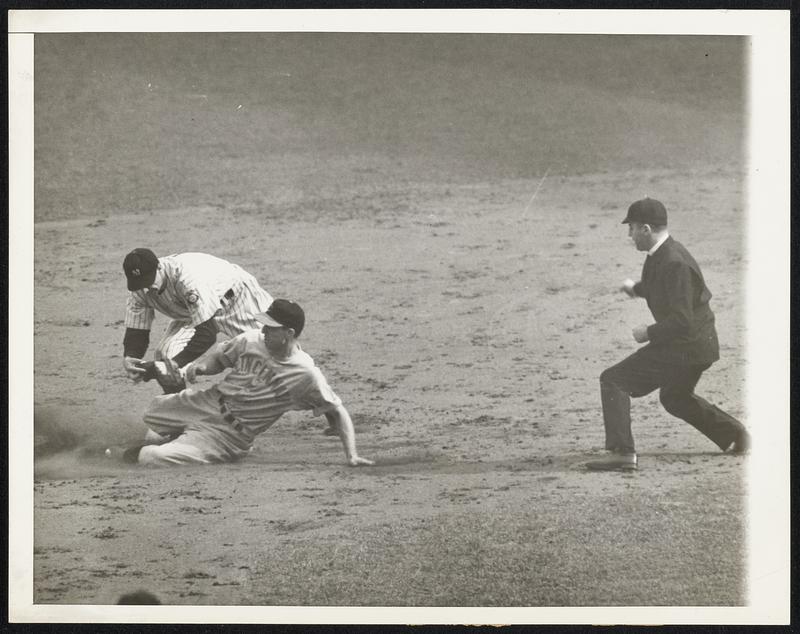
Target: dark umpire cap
283, 313
140, 268
647, 211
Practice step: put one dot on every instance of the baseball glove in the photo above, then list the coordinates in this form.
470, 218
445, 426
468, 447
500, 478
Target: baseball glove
167, 373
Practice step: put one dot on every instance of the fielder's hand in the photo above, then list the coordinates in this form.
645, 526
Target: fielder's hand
358, 461
133, 368
167, 373
627, 287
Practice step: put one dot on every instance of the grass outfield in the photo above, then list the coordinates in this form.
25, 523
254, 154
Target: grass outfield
129, 122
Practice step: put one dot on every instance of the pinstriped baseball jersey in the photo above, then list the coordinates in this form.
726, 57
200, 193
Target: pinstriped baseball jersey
259, 389
194, 287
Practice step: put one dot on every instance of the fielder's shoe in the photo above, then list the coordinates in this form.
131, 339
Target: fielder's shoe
614, 462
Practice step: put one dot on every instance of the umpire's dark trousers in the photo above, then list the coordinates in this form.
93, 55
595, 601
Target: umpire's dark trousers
640, 374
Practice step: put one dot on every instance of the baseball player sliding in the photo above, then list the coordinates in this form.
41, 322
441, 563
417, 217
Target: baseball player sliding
202, 294
269, 375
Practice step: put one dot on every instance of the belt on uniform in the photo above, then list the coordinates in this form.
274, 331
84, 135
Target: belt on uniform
228, 417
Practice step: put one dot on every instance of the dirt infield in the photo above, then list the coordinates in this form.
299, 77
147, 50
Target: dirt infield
463, 321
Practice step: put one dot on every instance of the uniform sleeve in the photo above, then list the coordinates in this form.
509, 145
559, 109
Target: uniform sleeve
203, 338
679, 291
135, 342
201, 299
228, 352
138, 315
318, 396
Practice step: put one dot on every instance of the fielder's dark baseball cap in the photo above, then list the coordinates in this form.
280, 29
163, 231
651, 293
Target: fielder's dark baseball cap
283, 313
647, 211
140, 268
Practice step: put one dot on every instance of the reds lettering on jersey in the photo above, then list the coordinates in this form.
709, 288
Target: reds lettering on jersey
259, 389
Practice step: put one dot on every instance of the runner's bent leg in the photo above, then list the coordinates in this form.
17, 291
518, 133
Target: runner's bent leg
203, 436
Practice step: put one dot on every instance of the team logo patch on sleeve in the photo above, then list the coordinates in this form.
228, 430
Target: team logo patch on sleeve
192, 297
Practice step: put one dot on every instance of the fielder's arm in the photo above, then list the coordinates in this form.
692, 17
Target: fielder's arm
134, 345
138, 319
205, 335
339, 419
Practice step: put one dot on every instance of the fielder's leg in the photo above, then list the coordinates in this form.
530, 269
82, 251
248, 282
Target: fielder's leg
175, 338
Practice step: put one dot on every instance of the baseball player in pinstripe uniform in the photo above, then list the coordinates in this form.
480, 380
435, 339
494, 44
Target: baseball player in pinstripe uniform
269, 375
202, 294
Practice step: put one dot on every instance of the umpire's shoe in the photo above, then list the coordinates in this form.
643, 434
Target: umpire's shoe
614, 462
740, 444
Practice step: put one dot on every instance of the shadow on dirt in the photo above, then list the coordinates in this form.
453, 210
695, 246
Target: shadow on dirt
63, 454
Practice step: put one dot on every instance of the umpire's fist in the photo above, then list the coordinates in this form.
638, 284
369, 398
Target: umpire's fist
627, 288
133, 369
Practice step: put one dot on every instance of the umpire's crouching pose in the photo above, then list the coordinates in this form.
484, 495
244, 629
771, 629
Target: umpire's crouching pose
681, 345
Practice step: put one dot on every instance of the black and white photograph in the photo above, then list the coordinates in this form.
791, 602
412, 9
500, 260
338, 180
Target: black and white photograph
375, 316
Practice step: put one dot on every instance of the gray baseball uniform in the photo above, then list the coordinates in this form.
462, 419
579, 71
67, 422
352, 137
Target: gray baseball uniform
219, 424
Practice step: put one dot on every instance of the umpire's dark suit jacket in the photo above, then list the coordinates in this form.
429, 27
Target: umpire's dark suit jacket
677, 295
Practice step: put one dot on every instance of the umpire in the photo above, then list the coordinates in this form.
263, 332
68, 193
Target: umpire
680, 345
